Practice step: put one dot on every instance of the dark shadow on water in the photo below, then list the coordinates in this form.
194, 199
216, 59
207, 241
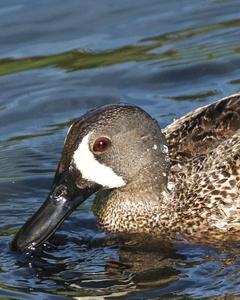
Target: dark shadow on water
136, 267
130, 267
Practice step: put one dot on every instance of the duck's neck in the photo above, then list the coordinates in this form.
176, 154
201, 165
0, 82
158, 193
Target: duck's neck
142, 206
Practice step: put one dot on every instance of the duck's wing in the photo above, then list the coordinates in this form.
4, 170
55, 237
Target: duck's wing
204, 147
204, 129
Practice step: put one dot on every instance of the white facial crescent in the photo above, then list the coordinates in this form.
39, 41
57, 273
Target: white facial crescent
92, 170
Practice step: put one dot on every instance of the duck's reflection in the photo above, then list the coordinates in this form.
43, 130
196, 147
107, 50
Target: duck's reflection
104, 266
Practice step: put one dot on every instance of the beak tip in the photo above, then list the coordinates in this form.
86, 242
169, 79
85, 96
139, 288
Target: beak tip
22, 241
19, 245
48, 218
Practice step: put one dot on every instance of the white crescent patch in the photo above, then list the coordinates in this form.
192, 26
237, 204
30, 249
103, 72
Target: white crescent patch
93, 170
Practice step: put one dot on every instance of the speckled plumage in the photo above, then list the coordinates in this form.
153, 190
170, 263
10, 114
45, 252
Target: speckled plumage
202, 198
183, 182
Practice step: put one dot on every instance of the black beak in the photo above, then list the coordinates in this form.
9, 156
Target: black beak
63, 199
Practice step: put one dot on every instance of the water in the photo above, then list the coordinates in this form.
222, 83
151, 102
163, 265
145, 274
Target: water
57, 60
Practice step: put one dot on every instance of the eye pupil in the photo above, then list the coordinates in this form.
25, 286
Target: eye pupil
101, 144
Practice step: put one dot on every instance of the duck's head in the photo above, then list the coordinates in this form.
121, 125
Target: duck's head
107, 148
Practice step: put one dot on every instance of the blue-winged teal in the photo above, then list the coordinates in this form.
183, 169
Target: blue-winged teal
182, 182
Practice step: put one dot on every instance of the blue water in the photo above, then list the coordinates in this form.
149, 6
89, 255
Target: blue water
57, 60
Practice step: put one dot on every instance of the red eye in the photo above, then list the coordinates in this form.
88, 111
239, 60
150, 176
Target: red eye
101, 144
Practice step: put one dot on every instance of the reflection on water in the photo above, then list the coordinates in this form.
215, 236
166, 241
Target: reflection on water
160, 48
57, 60
103, 266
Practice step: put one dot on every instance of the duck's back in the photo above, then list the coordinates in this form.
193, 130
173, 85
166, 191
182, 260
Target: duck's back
204, 148
204, 129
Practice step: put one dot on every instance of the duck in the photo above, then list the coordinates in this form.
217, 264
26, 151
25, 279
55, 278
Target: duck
182, 182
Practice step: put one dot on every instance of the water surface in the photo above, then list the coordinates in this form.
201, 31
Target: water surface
57, 60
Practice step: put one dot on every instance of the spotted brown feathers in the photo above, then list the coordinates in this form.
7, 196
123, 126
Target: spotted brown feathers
202, 199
